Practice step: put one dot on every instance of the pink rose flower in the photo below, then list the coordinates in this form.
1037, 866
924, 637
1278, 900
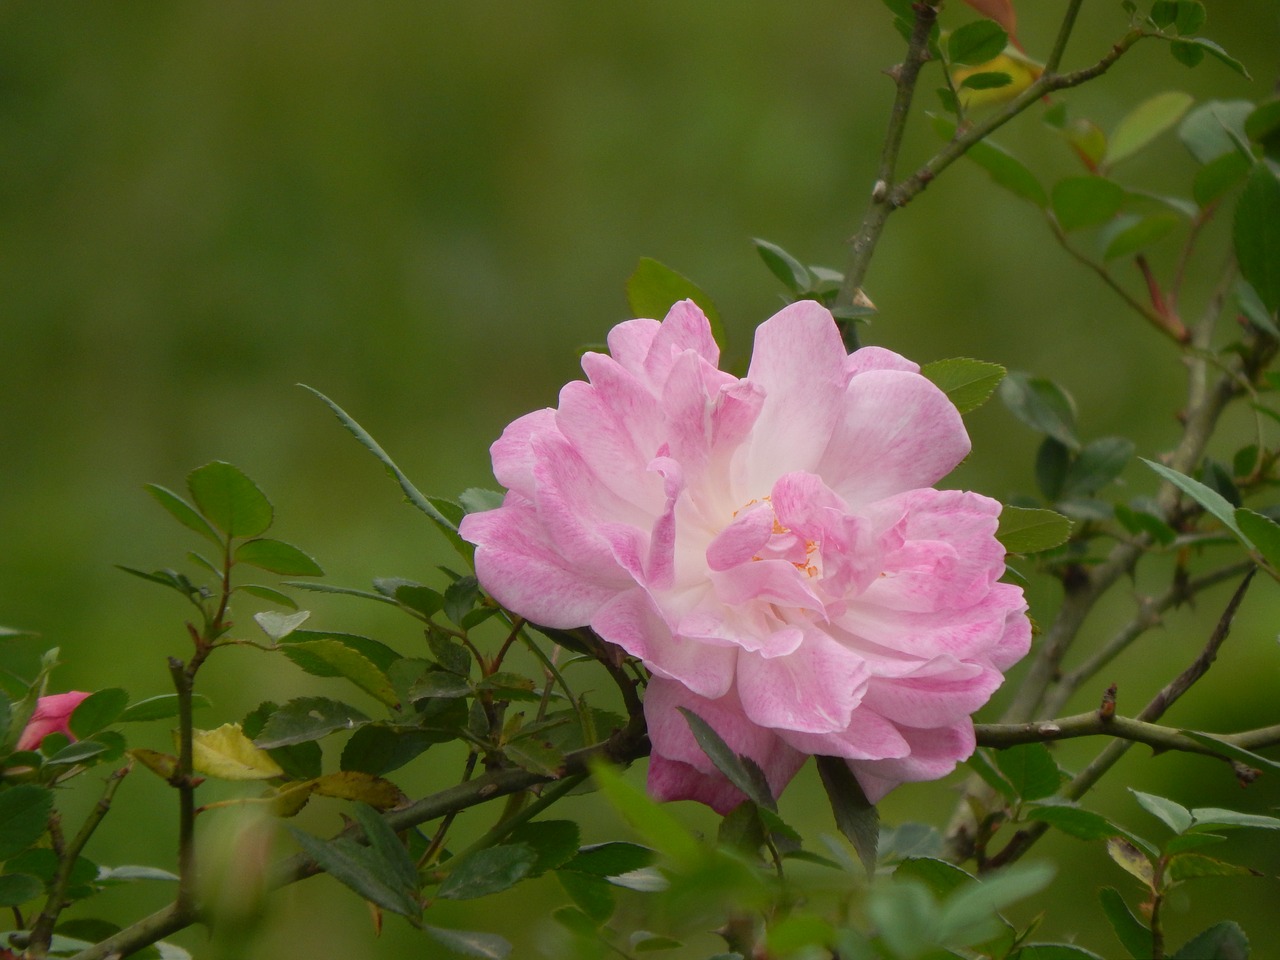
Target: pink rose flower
769, 547
51, 715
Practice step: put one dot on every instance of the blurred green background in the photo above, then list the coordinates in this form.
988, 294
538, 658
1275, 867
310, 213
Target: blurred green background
423, 209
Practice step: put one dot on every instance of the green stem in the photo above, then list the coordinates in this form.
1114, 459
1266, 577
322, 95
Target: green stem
42, 931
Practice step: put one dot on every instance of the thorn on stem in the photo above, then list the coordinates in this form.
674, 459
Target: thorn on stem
1107, 709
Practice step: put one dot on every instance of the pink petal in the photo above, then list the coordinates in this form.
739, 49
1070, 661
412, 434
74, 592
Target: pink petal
630, 342
512, 452
742, 539
813, 690
799, 361
51, 715
685, 328
928, 701
934, 754
877, 358
868, 736
897, 432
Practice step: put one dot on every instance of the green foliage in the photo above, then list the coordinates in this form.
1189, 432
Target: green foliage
654, 287
1023, 530
967, 383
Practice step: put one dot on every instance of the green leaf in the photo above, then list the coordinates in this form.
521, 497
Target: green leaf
183, 512
270, 594
1264, 532
986, 80
1231, 750
991, 776
1081, 824
480, 500
278, 557
536, 757
377, 749
1214, 179
1145, 122
17, 888
1216, 51
469, 943
436, 508
1053, 460
652, 290
1222, 941
488, 871
330, 658
1192, 866
728, 762
98, 710
1005, 169
794, 275
365, 870
942, 878
976, 42
653, 822
1214, 129
1262, 126
229, 500
398, 865
971, 914
967, 383
439, 683
1174, 815
1256, 233
1214, 817
160, 707
1054, 951
1100, 462
1128, 235
1139, 522
1212, 501
554, 842
1031, 769
24, 815
1133, 934
376, 652
1086, 201
611, 859
1042, 405
306, 719
855, 815
593, 895
459, 597
1023, 530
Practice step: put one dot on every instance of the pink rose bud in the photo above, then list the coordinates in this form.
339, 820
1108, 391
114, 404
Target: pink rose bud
51, 716
771, 548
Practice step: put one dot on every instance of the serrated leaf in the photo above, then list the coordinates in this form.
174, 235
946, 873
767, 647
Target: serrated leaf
183, 512
1263, 532
163, 765
1256, 234
459, 597
941, 877
277, 626
611, 859
1145, 122
1086, 201
438, 683
308, 718
488, 871
1191, 866
1216, 817
986, 80
536, 757
24, 816
160, 707
1042, 405
554, 843
354, 785
1081, 824
726, 761
1214, 129
991, 776
1132, 860
856, 817
470, 943
593, 895
1025, 530
1131, 932
1231, 750
1031, 769
652, 289
229, 500
98, 710
1138, 522
1222, 941
365, 870
335, 658
1215, 50
270, 594
794, 275
278, 557
967, 383
1214, 179
1174, 815
226, 753
976, 42
1211, 500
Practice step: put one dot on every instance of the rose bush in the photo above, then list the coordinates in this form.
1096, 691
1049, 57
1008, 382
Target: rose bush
769, 547
52, 715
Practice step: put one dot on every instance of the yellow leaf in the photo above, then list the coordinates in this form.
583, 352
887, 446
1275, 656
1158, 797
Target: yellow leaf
226, 753
1131, 859
288, 799
365, 787
161, 764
